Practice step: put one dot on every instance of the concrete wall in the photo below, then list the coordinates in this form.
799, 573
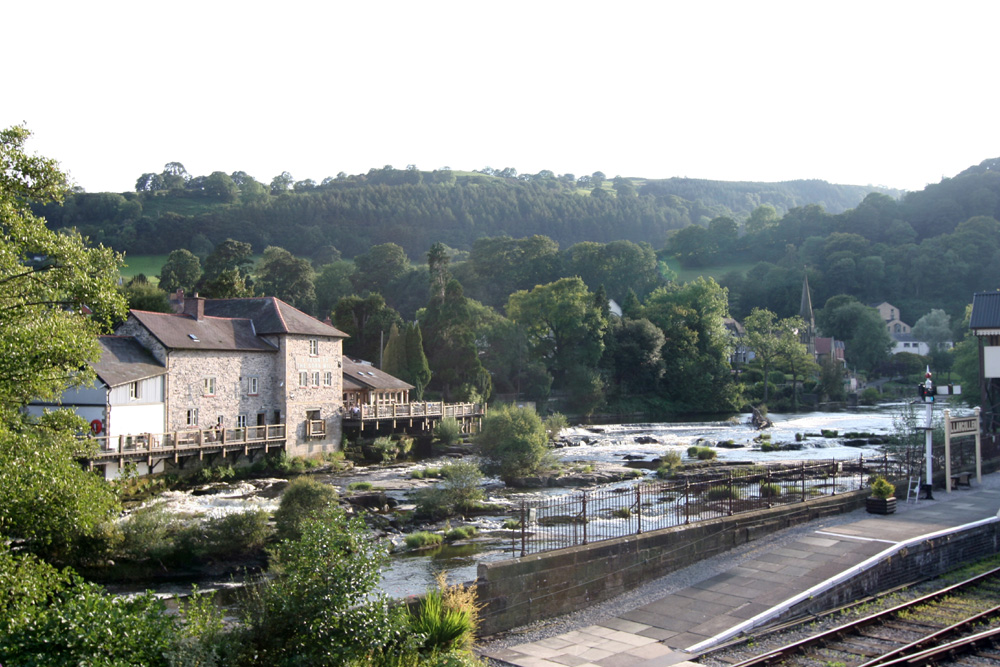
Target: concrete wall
520, 591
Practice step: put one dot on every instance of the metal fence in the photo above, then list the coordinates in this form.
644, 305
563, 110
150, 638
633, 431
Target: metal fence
592, 516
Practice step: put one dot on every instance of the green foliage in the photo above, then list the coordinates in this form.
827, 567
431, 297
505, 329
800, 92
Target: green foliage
701, 453
446, 619
46, 498
422, 539
720, 492
360, 486
448, 431
513, 443
459, 492
236, 534
54, 618
554, 424
882, 488
303, 498
770, 490
323, 607
670, 462
461, 533
287, 277
385, 449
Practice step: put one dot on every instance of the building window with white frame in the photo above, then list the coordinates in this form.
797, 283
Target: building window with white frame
134, 392
315, 378
253, 386
328, 379
313, 347
303, 379
192, 417
209, 387
241, 421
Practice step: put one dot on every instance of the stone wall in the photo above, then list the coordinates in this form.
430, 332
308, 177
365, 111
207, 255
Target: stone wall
325, 399
520, 591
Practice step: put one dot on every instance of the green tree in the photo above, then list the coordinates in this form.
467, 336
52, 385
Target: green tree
696, 353
230, 284
46, 344
181, 271
229, 255
366, 320
866, 341
379, 267
449, 327
513, 443
565, 327
287, 277
324, 607
332, 284
770, 339
144, 296
633, 355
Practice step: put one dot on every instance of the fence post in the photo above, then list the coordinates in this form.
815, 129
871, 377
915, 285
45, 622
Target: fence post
770, 489
584, 502
861, 472
524, 529
638, 509
803, 469
687, 500
834, 478
730, 493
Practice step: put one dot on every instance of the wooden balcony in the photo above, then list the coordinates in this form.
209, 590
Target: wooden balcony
177, 444
424, 411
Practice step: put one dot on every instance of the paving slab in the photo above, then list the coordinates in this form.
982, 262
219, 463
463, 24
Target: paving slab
664, 632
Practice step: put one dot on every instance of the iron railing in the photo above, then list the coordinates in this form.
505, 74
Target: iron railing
592, 516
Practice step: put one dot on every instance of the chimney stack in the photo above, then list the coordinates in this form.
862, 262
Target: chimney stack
194, 306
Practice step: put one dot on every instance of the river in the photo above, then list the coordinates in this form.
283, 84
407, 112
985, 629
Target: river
412, 574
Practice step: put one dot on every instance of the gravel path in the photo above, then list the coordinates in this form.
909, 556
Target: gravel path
694, 574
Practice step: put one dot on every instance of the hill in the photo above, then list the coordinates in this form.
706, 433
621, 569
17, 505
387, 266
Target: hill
416, 209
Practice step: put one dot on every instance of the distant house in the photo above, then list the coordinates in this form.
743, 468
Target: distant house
892, 318
365, 385
905, 342
829, 348
741, 353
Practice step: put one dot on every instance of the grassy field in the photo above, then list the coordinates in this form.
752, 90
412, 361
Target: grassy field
687, 275
149, 265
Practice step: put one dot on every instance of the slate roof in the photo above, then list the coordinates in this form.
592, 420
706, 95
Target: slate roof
370, 377
271, 316
123, 360
985, 311
183, 332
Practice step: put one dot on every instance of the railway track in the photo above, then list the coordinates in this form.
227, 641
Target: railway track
956, 625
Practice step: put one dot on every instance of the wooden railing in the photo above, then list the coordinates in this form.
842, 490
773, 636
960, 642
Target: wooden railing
315, 428
421, 409
163, 443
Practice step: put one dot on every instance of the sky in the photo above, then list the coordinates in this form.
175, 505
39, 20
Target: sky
897, 94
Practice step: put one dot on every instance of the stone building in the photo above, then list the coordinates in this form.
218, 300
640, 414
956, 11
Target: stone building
239, 363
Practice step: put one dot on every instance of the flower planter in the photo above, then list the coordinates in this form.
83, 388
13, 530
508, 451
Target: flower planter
880, 505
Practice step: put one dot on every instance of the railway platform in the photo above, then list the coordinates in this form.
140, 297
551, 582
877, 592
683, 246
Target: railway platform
760, 587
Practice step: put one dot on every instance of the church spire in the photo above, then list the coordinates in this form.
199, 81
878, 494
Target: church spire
808, 337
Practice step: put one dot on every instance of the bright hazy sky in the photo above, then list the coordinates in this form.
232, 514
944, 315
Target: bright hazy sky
899, 94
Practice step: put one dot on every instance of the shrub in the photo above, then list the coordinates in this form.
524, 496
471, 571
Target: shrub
701, 453
303, 497
236, 534
461, 533
621, 513
512, 524
555, 423
720, 493
447, 618
770, 490
448, 431
828, 433
148, 533
384, 449
325, 608
459, 492
360, 486
669, 462
423, 539
882, 488
513, 443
